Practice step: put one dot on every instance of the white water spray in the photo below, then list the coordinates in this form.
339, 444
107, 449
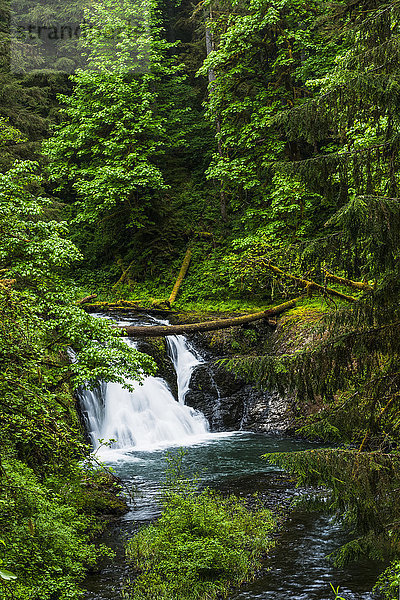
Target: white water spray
149, 416
184, 361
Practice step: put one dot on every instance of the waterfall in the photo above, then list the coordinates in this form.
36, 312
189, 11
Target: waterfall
149, 416
184, 361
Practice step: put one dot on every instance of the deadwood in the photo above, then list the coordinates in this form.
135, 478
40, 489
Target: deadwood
310, 285
125, 273
182, 273
86, 299
120, 305
163, 330
357, 285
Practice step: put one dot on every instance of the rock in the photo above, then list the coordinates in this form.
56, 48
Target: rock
204, 395
266, 411
230, 404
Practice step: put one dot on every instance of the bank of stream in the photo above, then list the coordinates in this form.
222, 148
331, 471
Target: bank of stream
228, 461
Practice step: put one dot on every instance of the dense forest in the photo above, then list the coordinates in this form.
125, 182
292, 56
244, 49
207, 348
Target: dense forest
263, 136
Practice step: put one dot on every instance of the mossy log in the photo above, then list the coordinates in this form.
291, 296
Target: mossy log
163, 330
119, 305
125, 273
204, 234
126, 303
311, 285
7, 283
357, 285
182, 273
122, 306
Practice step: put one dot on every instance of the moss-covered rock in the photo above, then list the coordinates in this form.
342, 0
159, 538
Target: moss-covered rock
230, 402
99, 494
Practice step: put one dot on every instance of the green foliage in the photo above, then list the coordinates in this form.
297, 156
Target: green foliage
27, 101
389, 582
113, 154
36, 297
336, 592
342, 146
264, 51
46, 537
202, 545
44, 502
364, 493
304, 103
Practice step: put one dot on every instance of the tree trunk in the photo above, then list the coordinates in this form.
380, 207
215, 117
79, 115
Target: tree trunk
357, 285
182, 273
311, 285
125, 274
163, 330
86, 299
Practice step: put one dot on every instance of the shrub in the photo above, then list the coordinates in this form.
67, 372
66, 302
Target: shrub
46, 540
202, 545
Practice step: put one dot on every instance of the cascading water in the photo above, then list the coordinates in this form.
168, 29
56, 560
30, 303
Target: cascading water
149, 416
184, 361
149, 419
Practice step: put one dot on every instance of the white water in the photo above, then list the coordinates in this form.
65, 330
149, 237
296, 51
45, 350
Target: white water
184, 361
149, 417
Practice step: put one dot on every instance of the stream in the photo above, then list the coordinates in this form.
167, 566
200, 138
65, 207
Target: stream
150, 423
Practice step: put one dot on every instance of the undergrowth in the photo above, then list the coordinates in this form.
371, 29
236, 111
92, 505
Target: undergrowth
202, 545
47, 527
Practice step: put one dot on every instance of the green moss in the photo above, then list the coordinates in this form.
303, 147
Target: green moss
47, 527
97, 494
294, 326
158, 344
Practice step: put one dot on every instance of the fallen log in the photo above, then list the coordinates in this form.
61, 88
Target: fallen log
182, 273
119, 305
107, 304
357, 285
125, 274
204, 234
86, 299
311, 285
7, 283
122, 306
163, 330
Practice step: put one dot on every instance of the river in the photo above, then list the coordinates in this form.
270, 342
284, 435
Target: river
150, 423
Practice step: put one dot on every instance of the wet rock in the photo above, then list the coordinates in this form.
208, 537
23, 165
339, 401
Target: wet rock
204, 395
230, 404
266, 411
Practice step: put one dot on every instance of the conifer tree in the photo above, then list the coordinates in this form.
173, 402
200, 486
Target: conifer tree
347, 141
